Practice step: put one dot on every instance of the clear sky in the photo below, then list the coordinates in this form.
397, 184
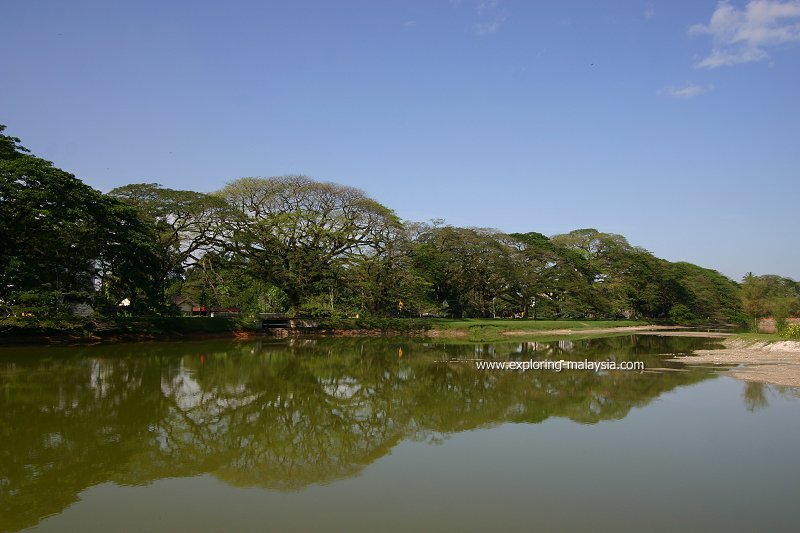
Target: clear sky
674, 123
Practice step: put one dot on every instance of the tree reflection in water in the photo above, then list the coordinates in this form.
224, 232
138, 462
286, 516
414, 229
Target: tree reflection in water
279, 414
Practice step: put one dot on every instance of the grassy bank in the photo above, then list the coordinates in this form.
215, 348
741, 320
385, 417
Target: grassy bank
759, 337
488, 330
473, 329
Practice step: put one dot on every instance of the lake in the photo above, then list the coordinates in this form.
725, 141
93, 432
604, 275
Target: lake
380, 434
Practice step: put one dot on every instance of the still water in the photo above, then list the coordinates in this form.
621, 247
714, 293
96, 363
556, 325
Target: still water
377, 435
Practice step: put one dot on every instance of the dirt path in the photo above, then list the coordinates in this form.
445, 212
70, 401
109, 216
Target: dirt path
774, 362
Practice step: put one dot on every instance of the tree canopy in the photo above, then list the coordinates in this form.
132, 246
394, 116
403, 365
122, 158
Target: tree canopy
294, 244
62, 238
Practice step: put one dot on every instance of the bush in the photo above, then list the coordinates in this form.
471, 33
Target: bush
385, 324
791, 331
740, 318
681, 314
42, 327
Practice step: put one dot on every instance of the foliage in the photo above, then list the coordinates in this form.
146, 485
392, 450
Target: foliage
291, 244
299, 234
395, 325
62, 237
80, 328
710, 296
681, 314
185, 224
792, 331
18, 327
770, 295
463, 266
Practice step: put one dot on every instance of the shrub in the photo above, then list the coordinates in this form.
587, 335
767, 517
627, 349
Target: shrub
740, 318
681, 314
791, 331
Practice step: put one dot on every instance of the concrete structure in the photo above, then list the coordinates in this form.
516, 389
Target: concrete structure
767, 325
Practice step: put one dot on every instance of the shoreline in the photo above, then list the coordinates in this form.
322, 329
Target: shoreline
465, 334
773, 362
91, 340
776, 363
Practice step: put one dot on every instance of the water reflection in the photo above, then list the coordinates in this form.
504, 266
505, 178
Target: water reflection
280, 414
756, 394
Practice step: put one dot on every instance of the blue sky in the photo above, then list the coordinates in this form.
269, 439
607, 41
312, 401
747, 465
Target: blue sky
674, 123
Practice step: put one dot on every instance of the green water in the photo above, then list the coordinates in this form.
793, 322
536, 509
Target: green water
376, 435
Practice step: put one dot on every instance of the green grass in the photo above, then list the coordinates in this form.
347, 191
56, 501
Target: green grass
473, 329
491, 330
760, 337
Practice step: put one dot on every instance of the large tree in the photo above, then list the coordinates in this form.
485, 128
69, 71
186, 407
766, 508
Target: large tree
62, 237
530, 269
600, 258
464, 267
186, 223
770, 295
300, 234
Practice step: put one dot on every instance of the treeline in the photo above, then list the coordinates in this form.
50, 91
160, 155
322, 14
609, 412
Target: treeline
772, 296
292, 244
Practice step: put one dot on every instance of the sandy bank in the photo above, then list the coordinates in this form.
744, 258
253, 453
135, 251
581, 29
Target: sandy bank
770, 362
